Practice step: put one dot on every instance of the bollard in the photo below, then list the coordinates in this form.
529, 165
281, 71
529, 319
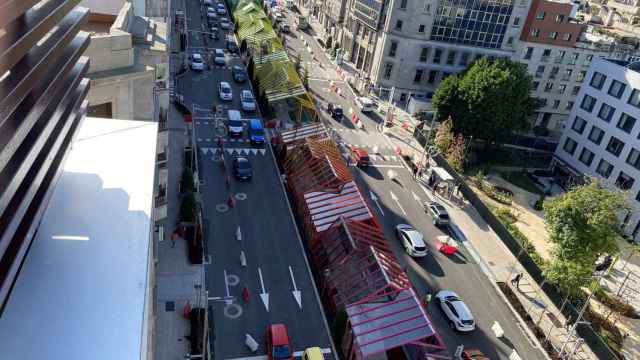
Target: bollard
243, 259
251, 343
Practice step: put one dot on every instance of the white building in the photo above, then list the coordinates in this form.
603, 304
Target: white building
601, 137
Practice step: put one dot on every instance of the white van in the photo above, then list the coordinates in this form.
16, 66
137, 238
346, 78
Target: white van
365, 104
234, 126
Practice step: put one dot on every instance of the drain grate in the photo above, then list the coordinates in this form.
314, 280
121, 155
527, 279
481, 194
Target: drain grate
170, 306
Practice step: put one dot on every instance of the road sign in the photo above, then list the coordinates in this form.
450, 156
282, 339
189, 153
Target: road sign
458, 354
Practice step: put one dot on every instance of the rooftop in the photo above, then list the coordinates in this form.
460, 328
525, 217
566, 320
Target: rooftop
81, 290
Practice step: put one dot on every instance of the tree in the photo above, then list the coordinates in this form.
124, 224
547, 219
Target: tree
583, 224
488, 101
444, 136
455, 154
189, 208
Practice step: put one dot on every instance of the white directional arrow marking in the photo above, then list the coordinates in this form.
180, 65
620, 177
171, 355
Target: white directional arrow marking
296, 293
262, 151
395, 198
238, 234
375, 200
415, 197
263, 295
254, 151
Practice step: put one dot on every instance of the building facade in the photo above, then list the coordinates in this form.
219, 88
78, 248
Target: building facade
601, 137
42, 102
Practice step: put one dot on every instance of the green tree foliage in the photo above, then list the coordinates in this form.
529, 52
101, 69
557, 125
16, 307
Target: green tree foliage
488, 101
583, 224
455, 154
187, 181
444, 136
189, 208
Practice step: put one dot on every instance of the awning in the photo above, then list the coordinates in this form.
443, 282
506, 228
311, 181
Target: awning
300, 133
442, 173
326, 207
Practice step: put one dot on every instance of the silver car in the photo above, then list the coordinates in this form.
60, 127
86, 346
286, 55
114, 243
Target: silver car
438, 213
456, 310
224, 91
412, 240
247, 101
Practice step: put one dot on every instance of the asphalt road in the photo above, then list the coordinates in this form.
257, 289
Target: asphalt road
400, 202
276, 270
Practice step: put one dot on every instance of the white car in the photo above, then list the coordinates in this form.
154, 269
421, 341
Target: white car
412, 240
218, 52
196, 62
221, 10
211, 13
208, 2
365, 104
456, 310
247, 101
224, 91
225, 25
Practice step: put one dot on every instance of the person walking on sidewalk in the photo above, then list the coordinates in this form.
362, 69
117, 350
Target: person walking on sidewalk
516, 280
174, 236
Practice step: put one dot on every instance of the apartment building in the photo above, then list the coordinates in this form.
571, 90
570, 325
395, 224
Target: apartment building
558, 50
601, 138
412, 45
331, 14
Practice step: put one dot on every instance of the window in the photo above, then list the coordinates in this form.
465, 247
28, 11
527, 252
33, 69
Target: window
604, 169
436, 56
548, 87
516, 21
560, 57
535, 85
579, 124
421, 29
569, 106
606, 112
433, 74
575, 90
451, 57
388, 67
566, 36
570, 146
616, 89
418, 77
615, 146
597, 80
399, 25
403, 4
464, 59
587, 60
634, 98
393, 49
567, 74
528, 53
559, 18
562, 88
556, 104
535, 32
626, 123
424, 53
596, 134
574, 58
634, 158
624, 181
427, 8
588, 103
581, 76
553, 35
554, 72
540, 15
540, 70
545, 54
510, 40
586, 156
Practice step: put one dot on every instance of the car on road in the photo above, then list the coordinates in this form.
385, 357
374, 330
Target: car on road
247, 102
219, 61
239, 74
242, 168
412, 240
225, 25
235, 128
438, 213
360, 157
335, 111
196, 62
256, 132
208, 2
456, 310
365, 104
278, 343
284, 27
224, 91
221, 9
473, 354
232, 47
278, 16
211, 13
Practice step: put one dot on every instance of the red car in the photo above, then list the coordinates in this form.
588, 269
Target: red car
360, 157
473, 354
278, 343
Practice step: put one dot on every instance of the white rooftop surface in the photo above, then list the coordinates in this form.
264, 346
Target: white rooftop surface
80, 293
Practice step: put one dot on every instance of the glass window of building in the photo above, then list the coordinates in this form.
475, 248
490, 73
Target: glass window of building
403, 4
418, 77
560, 57
516, 21
421, 28
553, 35
634, 98
437, 56
570, 146
433, 74
574, 58
556, 104
427, 8
388, 68
634, 158
567, 74
586, 156
393, 49
535, 32
398, 24
569, 106
566, 36
575, 90
616, 89
528, 53
615, 146
588, 103
559, 18
510, 40
624, 181
597, 80
579, 125
562, 88
548, 87
581, 75
626, 123
596, 134
554, 72
604, 169
606, 112
464, 59
540, 15
451, 57
535, 85
587, 59
423, 54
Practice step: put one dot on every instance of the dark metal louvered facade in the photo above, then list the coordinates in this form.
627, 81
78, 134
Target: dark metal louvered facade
42, 101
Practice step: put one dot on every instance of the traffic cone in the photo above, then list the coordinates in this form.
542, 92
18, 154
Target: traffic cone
245, 294
231, 201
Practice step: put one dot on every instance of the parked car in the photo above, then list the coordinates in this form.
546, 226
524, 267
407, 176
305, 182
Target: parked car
473, 354
312, 353
239, 73
256, 132
225, 25
242, 168
211, 13
456, 310
218, 53
247, 101
219, 61
196, 62
360, 157
335, 111
233, 47
438, 213
221, 9
278, 343
365, 104
284, 27
208, 2
412, 240
224, 91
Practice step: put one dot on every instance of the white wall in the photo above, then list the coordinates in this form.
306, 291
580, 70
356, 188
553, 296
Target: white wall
111, 7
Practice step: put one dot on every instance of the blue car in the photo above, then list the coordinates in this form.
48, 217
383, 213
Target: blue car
256, 132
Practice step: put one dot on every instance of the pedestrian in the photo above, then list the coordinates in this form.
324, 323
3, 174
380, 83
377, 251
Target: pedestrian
415, 172
420, 173
174, 236
516, 280
427, 299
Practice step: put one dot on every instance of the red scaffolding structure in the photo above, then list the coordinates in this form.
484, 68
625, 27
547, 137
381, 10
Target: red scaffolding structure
358, 271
